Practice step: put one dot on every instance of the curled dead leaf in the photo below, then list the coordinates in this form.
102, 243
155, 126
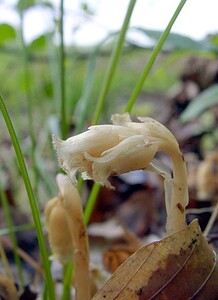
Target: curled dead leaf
181, 266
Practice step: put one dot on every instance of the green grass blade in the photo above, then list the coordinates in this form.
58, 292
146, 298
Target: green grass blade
32, 200
84, 105
113, 64
91, 202
153, 57
103, 94
68, 270
62, 73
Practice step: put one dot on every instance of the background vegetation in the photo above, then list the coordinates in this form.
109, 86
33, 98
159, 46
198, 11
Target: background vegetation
50, 88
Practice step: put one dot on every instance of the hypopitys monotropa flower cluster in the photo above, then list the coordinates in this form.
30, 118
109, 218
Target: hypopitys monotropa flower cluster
105, 150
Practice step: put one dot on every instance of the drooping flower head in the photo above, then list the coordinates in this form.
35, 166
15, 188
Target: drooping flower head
124, 146
106, 150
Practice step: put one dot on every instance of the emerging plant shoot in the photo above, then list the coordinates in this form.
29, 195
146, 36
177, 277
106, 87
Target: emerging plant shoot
105, 150
67, 234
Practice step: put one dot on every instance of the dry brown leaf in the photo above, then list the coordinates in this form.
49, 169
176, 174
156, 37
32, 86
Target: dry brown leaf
181, 266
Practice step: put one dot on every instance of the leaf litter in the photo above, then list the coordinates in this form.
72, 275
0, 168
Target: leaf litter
165, 270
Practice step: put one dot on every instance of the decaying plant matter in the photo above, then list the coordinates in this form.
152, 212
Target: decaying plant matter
181, 266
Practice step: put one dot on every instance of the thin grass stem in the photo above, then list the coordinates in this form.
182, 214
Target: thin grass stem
115, 56
45, 292
84, 100
27, 76
91, 202
84, 104
32, 200
62, 73
67, 270
153, 57
5, 262
12, 237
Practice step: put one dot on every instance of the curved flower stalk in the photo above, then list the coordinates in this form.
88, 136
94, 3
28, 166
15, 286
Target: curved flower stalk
125, 146
67, 234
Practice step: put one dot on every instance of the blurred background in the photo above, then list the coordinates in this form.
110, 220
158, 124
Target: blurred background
55, 52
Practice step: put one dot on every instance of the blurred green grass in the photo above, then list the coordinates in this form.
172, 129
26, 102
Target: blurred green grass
32, 88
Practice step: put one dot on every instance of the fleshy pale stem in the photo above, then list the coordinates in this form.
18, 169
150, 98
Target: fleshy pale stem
74, 215
179, 198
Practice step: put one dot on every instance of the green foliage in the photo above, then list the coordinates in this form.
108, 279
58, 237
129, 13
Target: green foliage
176, 41
23, 5
39, 43
205, 100
7, 32
213, 39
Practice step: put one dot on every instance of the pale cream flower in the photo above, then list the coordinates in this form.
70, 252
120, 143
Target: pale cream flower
105, 150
